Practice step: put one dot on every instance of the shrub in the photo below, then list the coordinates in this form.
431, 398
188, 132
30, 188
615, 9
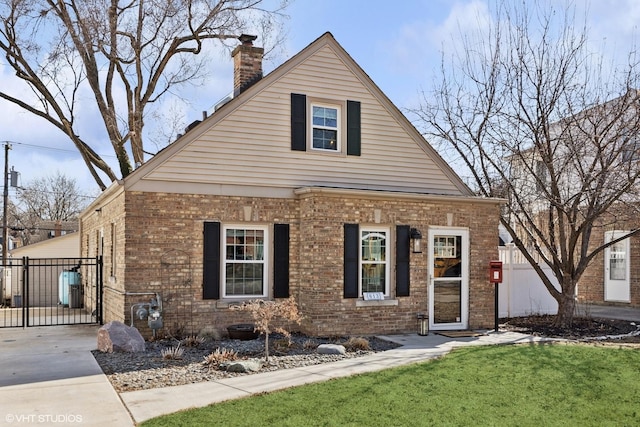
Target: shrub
282, 344
172, 353
357, 344
310, 345
193, 341
220, 355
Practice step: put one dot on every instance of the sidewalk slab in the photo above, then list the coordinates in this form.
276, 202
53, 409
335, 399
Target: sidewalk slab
147, 404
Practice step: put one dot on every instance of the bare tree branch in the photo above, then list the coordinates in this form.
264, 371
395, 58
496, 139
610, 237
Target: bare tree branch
126, 54
538, 118
55, 198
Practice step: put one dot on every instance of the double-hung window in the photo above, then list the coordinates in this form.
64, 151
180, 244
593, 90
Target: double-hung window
325, 127
245, 267
374, 260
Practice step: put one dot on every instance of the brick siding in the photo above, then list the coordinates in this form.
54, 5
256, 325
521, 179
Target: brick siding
160, 249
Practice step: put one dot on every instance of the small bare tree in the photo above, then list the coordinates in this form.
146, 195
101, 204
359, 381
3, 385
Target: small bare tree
55, 198
266, 313
122, 56
539, 119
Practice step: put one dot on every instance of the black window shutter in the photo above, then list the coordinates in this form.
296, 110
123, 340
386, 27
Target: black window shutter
402, 260
353, 128
211, 261
281, 260
351, 248
298, 122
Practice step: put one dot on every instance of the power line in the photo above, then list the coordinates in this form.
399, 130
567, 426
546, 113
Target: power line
83, 196
55, 149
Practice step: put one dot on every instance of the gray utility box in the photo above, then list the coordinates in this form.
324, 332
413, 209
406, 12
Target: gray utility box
75, 296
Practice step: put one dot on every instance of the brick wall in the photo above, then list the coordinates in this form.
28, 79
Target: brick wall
101, 228
591, 285
164, 251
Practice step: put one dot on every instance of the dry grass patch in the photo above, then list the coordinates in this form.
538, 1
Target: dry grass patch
172, 353
357, 344
220, 355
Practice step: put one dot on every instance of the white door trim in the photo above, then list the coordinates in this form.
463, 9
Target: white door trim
618, 290
464, 297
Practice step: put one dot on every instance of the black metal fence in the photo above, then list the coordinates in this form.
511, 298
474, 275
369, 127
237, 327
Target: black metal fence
51, 291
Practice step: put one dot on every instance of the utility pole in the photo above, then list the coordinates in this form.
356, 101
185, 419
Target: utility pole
5, 230
5, 233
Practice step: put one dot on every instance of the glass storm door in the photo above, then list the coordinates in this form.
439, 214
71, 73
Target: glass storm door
616, 268
449, 279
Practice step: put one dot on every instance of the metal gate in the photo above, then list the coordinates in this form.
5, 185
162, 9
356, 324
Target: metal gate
50, 292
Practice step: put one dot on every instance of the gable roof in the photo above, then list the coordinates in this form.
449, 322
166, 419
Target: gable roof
243, 148
65, 246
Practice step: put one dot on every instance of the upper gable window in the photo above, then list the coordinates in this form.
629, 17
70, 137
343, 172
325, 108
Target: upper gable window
325, 127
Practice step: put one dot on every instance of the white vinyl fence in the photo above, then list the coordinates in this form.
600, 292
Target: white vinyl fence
522, 292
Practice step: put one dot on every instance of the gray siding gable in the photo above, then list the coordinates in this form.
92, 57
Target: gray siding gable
245, 147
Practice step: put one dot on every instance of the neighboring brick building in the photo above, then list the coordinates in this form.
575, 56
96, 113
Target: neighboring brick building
553, 180
310, 183
613, 278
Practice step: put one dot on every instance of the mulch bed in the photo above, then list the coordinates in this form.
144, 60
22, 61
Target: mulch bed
583, 328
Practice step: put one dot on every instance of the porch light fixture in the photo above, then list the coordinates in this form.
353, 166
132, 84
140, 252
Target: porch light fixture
416, 241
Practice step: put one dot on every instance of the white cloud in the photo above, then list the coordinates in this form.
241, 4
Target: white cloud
471, 19
612, 27
33, 163
414, 49
400, 48
416, 46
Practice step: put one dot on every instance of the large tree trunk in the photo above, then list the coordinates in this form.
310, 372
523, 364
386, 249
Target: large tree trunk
566, 310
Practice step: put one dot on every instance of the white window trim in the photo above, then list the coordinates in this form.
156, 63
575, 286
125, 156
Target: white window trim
338, 128
114, 250
387, 261
265, 260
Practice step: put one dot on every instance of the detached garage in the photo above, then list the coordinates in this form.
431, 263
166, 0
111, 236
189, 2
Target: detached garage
45, 291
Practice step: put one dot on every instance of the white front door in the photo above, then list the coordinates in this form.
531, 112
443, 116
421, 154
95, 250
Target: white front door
449, 278
616, 268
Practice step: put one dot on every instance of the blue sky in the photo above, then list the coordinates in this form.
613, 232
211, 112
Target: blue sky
398, 44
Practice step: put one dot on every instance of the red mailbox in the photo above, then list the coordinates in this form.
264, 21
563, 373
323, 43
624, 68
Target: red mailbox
495, 271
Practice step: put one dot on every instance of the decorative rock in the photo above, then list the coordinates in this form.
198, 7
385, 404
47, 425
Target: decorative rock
116, 336
146, 370
331, 349
252, 365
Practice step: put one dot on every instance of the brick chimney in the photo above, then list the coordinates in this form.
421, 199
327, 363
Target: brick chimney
247, 64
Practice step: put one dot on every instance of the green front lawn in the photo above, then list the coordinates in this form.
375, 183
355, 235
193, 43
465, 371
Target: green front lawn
534, 385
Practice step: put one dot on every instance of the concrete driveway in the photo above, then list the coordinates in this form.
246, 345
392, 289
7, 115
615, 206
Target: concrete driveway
48, 376
610, 312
